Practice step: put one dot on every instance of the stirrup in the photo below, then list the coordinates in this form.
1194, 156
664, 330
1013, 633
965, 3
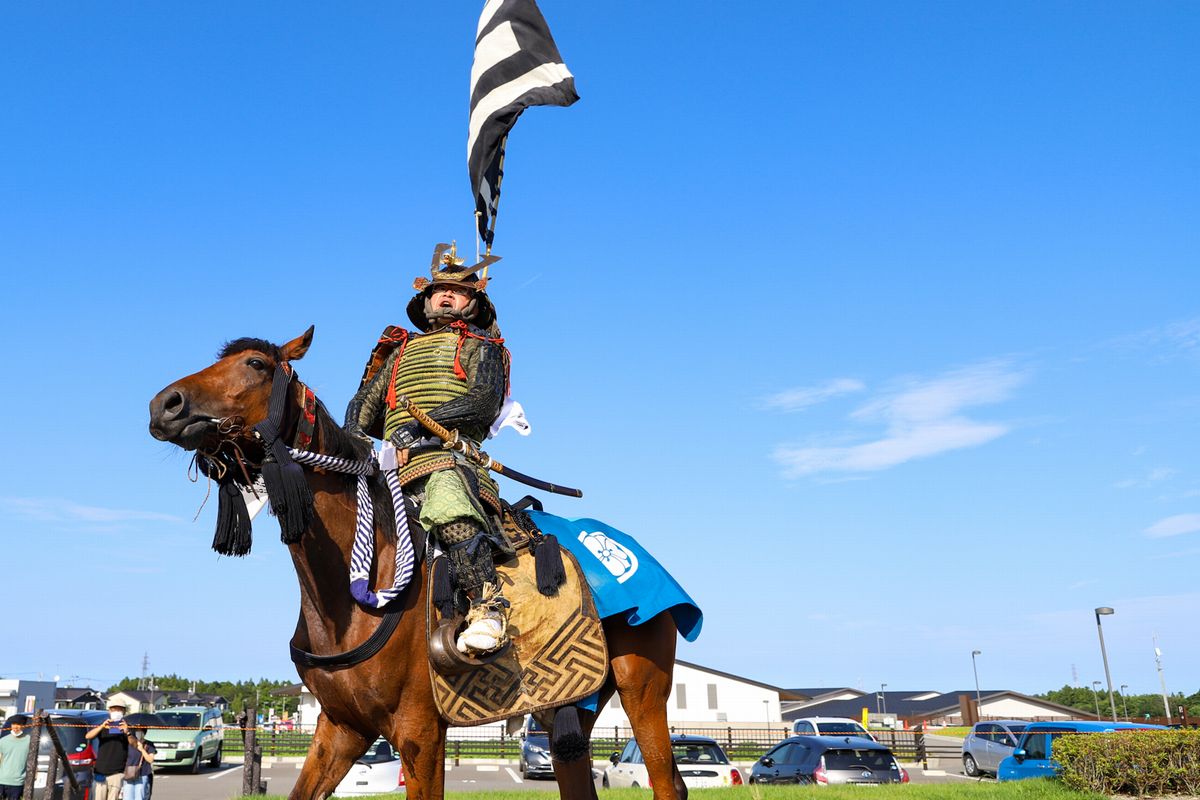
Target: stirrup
447, 659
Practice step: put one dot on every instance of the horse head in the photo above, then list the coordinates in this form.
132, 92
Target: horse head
234, 414
226, 400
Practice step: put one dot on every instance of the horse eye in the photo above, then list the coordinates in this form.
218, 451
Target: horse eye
257, 363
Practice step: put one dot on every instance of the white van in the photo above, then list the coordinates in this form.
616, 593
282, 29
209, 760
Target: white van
829, 726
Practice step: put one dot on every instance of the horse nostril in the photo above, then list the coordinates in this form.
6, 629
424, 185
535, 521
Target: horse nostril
168, 405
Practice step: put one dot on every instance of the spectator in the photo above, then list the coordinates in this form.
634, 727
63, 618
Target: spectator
141, 756
14, 751
112, 753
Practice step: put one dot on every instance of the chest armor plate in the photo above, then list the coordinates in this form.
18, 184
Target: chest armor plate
426, 375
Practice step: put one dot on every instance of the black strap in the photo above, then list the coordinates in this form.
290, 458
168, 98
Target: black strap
528, 501
373, 644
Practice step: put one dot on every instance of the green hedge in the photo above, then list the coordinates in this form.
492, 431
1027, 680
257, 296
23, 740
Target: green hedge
1131, 762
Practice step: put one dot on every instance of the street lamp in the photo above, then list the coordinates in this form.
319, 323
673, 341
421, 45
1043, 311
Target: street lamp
1161, 680
883, 697
1096, 697
1105, 611
1124, 702
978, 702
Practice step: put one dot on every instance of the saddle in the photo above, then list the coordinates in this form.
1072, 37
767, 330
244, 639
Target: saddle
556, 656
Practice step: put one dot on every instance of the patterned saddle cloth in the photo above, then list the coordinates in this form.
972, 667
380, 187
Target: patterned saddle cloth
558, 653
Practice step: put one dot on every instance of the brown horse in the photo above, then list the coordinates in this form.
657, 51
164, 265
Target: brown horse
389, 694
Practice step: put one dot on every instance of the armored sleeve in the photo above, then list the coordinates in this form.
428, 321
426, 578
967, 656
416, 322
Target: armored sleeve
368, 401
487, 371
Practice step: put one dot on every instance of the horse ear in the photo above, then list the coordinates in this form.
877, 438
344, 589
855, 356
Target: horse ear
296, 348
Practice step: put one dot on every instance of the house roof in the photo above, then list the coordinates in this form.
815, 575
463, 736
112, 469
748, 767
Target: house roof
784, 694
73, 694
911, 704
175, 697
812, 694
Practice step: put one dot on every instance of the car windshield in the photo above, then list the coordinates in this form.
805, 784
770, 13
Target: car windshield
379, 751
698, 753
1017, 729
180, 719
858, 759
534, 727
834, 728
70, 732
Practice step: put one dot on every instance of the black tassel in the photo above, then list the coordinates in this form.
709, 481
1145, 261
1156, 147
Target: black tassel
233, 522
287, 489
548, 566
443, 588
568, 742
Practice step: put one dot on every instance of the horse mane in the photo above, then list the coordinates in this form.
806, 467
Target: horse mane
336, 442
234, 346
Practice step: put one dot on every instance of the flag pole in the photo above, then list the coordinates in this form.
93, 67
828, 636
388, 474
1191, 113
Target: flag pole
499, 179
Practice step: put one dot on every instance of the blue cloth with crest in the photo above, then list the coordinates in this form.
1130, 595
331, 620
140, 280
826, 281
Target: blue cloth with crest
626, 580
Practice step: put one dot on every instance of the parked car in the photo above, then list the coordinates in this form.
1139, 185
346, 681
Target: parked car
196, 735
379, 771
70, 724
1034, 755
824, 760
829, 726
535, 751
989, 743
701, 761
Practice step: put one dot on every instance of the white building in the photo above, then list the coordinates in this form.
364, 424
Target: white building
25, 697
707, 698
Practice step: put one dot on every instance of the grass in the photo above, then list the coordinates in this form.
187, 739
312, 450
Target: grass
958, 731
1041, 789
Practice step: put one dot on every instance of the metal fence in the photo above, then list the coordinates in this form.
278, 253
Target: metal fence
741, 744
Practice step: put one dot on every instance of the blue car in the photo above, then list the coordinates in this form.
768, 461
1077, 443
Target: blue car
1034, 756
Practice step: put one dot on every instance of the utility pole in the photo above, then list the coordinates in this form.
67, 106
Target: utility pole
145, 668
1161, 680
1096, 697
1124, 702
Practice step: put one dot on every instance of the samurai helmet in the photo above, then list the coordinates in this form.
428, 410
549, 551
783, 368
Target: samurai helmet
446, 268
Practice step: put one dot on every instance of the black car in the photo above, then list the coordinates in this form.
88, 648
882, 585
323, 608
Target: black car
535, 751
70, 725
828, 760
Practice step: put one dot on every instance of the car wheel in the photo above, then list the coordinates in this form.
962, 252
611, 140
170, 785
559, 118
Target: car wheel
215, 761
521, 769
604, 783
970, 767
636, 785
195, 765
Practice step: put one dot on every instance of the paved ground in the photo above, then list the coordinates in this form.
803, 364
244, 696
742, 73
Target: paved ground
226, 782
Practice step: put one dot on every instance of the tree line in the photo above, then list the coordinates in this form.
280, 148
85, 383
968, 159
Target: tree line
1139, 705
240, 694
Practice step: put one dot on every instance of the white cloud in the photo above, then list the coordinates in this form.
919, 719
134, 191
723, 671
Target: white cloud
922, 418
1174, 526
803, 397
1149, 479
44, 509
1172, 338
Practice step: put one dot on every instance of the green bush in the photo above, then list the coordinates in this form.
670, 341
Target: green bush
1131, 762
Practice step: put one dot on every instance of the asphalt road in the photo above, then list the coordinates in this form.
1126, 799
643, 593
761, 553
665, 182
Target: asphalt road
226, 782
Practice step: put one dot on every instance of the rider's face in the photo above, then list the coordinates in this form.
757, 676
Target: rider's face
450, 298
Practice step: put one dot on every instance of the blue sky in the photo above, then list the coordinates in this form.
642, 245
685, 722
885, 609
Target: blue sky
876, 322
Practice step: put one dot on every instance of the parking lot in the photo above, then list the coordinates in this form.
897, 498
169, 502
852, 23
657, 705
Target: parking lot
280, 777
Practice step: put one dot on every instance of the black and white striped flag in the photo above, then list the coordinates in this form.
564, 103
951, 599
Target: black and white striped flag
517, 65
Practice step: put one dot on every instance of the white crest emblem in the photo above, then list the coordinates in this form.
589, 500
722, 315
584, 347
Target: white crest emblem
616, 558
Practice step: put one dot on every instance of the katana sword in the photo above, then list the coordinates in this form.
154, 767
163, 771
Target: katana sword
452, 441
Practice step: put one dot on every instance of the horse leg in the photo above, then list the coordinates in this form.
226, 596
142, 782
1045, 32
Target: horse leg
643, 659
334, 748
575, 781
420, 736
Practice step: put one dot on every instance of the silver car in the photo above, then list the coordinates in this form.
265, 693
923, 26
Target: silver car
989, 743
